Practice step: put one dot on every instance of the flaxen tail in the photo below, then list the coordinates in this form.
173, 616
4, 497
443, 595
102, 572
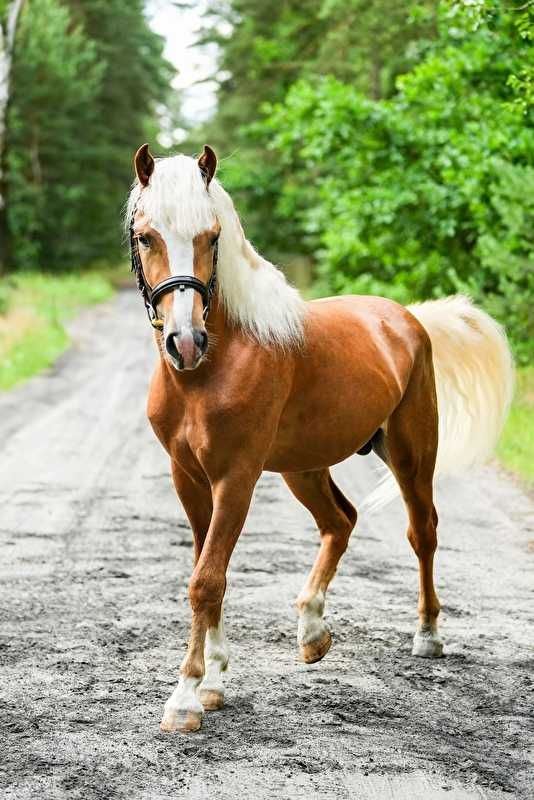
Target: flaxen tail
474, 383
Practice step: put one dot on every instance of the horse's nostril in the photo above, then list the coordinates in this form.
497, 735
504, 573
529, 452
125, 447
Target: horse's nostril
201, 340
170, 345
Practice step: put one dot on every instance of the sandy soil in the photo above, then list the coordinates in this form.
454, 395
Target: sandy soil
94, 618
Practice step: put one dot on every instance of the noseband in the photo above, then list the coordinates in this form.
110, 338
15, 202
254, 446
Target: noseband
152, 294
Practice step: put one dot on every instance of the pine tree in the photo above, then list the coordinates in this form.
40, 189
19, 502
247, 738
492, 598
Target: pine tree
88, 77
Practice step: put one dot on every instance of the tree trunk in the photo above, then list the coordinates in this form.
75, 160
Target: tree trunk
376, 78
8, 27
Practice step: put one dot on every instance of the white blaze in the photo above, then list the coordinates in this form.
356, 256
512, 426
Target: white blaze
180, 254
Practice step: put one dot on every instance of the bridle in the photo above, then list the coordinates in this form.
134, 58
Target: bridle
152, 294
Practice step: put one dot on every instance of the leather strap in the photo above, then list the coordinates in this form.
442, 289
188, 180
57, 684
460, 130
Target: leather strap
180, 283
152, 294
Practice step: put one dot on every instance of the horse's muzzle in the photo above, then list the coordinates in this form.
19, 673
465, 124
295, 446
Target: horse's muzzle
186, 347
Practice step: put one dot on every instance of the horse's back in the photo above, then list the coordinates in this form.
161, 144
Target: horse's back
377, 316
367, 334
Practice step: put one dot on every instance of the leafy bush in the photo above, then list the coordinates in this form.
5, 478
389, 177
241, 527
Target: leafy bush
423, 194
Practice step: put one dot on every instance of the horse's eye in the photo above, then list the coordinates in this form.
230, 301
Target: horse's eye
144, 240
215, 239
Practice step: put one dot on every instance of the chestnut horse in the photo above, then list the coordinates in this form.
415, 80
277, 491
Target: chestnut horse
253, 378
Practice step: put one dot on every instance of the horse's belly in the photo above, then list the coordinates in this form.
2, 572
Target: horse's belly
323, 453
330, 421
347, 382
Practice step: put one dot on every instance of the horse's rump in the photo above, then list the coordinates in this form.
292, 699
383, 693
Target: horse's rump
474, 376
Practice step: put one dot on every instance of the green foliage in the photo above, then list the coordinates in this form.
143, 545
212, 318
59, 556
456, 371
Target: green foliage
517, 442
390, 142
4, 296
426, 192
522, 81
86, 81
37, 307
56, 79
264, 49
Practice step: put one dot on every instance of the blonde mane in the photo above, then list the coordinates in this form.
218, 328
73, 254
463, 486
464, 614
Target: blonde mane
255, 294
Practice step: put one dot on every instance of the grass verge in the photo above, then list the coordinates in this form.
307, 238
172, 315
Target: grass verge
33, 308
516, 447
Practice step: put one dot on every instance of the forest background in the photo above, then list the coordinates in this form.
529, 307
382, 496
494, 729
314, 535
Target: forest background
380, 147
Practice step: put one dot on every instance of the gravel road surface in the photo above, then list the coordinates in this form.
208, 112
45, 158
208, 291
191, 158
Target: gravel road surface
96, 554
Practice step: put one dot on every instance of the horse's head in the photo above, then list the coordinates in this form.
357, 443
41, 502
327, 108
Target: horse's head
174, 233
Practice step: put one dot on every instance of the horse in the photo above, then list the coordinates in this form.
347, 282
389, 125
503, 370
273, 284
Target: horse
251, 377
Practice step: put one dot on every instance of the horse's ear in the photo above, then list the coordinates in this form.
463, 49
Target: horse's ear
144, 164
208, 163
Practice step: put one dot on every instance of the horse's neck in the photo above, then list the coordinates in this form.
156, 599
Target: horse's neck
257, 297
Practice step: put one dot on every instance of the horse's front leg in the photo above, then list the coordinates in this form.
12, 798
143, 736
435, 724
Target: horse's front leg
216, 656
195, 496
231, 500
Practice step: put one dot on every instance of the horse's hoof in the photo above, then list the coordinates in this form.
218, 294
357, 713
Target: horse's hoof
211, 699
182, 721
315, 651
427, 646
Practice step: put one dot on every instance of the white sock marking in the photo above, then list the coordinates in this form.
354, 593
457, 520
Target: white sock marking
183, 699
215, 657
426, 641
311, 625
180, 254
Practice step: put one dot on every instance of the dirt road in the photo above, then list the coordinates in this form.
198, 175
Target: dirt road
94, 618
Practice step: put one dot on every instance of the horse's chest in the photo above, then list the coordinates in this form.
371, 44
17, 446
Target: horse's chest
187, 438
172, 422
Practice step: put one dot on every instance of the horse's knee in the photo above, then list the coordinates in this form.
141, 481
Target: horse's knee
206, 591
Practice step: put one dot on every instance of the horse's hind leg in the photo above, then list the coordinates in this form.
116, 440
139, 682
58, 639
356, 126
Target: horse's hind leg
335, 517
411, 444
